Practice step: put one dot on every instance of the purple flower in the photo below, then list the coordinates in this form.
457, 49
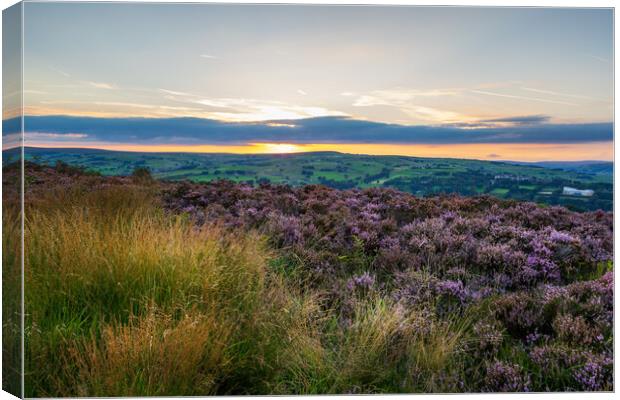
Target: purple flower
505, 377
364, 281
561, 237
590, 376
453, 288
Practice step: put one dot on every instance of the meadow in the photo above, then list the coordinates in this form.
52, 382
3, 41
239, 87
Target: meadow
542, 183
136, 286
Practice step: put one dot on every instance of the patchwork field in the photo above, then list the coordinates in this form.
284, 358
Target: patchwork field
419, 176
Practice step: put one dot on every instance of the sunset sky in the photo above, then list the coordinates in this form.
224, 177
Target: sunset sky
511, 83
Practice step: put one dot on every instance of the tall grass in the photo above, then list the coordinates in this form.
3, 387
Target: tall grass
11, 295
125, 300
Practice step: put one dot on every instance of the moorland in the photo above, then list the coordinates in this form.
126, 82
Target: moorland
138, 286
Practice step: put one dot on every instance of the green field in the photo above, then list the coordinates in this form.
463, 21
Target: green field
420, 176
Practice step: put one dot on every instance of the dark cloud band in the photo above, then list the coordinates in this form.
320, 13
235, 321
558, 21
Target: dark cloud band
533, 129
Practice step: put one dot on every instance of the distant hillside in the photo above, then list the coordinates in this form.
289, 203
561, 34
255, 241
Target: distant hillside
540, 183
585, 167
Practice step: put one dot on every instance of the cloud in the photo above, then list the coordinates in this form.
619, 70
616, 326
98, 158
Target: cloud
433, 114
265, 111
145, 106
493, 155
519, 120
228, 109
45, 135
232, 109
542, 91
501, 122
310, 130
101, 85
408, 102
598, 58
30, 91
511, 96
301, 92
398, 97
174, 93
63, 73
209, 56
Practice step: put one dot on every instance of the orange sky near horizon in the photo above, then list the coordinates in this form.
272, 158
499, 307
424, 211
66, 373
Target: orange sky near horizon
486, 151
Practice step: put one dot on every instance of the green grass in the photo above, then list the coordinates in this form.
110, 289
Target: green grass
11, 295
421, 176
499, 191
126, 300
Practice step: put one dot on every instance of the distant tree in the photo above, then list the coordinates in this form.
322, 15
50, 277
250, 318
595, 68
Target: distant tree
263, 181
64, 168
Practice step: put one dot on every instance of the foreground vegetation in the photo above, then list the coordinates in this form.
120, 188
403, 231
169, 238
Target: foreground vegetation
137, 287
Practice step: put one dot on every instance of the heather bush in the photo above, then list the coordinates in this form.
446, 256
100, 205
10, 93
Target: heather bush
544, 270
504, 377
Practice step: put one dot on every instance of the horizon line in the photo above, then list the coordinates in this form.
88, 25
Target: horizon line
298, 153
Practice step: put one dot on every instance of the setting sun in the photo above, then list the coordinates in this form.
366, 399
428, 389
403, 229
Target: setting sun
278, 148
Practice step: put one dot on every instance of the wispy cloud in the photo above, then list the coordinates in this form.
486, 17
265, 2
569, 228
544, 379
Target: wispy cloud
399, 97
32, 91
598, 58
525, 120
502, 122
434, 114
101, 85
552, 93
301, 92
175, 93
512, 96
408, 101
145, 106
257, 111
46, 135
248, 110
63, 73
209, 56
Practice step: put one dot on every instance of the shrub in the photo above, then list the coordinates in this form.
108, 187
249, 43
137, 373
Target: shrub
504, 377
142, 175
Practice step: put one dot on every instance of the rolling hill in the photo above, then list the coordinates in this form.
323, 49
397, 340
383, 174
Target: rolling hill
541, 182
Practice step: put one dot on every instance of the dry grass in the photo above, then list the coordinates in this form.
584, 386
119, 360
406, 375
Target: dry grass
11, 296
152, 355
124, 299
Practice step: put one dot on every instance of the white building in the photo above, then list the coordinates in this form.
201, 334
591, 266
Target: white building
569, 191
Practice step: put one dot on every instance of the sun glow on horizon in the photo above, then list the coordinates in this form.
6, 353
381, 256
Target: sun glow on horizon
278, 148
488, 151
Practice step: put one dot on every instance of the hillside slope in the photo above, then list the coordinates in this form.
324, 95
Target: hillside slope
419, 176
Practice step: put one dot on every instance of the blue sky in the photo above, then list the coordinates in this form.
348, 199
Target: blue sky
463, 69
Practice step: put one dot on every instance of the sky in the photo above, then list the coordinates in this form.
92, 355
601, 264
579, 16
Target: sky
494, 83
